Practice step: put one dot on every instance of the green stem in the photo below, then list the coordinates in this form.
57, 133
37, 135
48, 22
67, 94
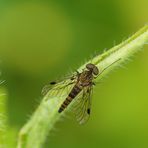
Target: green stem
3, 119
35, 132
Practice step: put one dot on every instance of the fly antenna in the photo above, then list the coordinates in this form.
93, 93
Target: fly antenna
109, 66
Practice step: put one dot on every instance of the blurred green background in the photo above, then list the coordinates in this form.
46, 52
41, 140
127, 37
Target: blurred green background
43, 40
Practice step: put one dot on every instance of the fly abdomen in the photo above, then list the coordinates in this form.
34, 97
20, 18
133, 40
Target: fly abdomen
65, 104
74, 92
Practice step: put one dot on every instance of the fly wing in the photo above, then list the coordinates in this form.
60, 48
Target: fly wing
56, 89
83, 105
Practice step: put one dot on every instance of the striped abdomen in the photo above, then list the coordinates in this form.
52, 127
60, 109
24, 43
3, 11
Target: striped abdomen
74, 92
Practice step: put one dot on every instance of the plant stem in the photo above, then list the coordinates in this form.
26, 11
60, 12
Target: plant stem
34, 133
3, 119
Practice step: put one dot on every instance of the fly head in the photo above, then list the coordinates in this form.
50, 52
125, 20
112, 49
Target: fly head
92, 68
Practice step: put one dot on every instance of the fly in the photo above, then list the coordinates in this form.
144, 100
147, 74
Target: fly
81, 90
84, 80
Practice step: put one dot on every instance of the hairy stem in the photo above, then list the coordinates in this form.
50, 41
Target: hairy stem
34, 133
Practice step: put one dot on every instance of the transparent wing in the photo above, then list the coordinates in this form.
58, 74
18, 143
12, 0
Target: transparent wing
82, 107
56, 88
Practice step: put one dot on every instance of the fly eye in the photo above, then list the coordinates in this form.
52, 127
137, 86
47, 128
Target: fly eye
90, 66
95, 71
93, 68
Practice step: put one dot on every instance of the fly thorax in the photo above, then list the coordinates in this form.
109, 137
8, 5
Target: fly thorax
80, 84
85, 82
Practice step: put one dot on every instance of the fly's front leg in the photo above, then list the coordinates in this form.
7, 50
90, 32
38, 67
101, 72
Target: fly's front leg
93, 84
95, 77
